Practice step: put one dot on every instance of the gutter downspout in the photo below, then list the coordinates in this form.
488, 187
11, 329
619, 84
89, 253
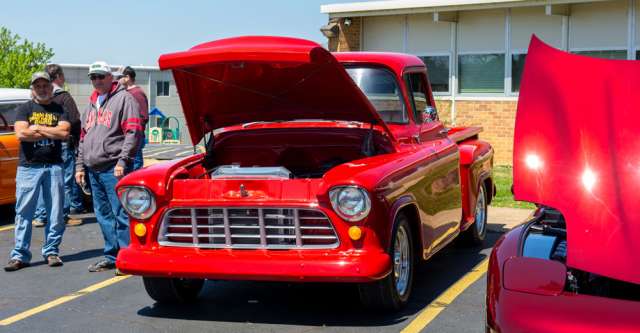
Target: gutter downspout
454, 70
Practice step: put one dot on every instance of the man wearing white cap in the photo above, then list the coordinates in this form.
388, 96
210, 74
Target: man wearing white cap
40, 126
109, 138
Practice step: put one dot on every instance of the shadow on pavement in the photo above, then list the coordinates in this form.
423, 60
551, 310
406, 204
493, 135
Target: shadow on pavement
82, 255
7, 214
318, 304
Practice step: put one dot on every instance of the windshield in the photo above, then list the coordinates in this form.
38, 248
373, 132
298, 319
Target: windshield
381, 88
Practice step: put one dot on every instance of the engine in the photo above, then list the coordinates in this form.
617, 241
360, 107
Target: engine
545, 237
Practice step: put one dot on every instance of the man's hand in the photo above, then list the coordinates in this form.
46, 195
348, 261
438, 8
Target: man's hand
118, 171
80, 178
34, 128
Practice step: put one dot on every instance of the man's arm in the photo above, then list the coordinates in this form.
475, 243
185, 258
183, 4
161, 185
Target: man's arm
26, 134
60, 132
132, 130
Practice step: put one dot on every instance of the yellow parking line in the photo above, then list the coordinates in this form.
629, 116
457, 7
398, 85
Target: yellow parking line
431, 311
62, 300
7, 227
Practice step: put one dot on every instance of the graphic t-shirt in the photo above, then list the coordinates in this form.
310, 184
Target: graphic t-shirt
46, 150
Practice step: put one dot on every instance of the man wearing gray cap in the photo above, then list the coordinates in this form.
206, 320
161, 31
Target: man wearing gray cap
40, 126
109, 138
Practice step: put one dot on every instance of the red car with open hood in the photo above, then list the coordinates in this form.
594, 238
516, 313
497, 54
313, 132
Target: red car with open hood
319, 167
574, 266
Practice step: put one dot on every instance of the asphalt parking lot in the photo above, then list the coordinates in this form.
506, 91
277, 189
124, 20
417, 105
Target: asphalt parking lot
167, 152
448, 295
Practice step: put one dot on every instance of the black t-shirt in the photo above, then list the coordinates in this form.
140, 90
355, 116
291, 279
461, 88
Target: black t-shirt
46, 150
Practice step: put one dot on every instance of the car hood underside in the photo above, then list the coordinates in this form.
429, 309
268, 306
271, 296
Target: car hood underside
576, 149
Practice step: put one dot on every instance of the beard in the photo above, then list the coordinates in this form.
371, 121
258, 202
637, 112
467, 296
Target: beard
42, 97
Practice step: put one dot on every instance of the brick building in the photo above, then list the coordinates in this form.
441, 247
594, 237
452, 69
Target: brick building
475, 49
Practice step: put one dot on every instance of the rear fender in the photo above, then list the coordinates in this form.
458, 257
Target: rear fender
476, 167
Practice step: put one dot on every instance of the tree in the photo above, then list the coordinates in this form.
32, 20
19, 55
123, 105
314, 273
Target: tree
19, 59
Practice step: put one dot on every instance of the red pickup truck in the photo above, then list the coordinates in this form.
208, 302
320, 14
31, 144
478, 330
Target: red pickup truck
323, 167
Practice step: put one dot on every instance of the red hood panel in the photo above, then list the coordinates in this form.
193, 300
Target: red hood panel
576, 149
248, 79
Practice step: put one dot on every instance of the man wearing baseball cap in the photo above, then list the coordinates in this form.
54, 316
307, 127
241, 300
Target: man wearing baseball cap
40, 126
110, 134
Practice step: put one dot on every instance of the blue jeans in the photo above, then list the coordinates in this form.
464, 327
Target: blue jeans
72, 197
138, 161
112, 218
45, 179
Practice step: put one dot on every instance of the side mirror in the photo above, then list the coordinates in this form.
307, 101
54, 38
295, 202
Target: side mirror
429, 114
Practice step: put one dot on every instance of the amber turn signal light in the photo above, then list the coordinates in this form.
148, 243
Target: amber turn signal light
355, 233
140, 230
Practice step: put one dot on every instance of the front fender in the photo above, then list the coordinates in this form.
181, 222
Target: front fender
157, 177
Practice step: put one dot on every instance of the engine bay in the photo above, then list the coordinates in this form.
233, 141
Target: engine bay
291, 153
545, 237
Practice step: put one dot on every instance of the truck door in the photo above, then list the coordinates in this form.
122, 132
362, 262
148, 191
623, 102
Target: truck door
441, 200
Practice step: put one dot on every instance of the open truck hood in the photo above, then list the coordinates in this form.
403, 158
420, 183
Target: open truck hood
251, 79
576, 149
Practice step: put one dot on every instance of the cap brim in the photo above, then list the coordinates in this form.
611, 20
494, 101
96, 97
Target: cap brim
40, 78
99, 72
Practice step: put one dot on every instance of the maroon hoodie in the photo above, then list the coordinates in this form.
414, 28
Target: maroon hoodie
110, 135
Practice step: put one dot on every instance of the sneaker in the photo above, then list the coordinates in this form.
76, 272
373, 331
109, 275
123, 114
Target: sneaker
38, 223
102, 265
77, 211
14, 265
53, 260
71, 222
86, 189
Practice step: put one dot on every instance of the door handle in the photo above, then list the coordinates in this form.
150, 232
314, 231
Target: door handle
444, 131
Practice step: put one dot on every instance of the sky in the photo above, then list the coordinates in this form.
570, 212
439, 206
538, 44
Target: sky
137, 32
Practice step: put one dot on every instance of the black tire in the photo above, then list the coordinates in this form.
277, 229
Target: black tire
477, 232
387, 294
168, 290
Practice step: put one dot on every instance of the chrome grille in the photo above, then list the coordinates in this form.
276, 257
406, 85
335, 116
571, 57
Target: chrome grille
247, 228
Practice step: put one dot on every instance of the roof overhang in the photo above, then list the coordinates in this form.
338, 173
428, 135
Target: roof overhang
403, 7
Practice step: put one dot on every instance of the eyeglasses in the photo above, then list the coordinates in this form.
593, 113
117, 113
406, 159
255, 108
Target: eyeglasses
93, 77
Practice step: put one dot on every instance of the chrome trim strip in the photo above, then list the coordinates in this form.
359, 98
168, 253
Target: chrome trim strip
194, 226
227, 230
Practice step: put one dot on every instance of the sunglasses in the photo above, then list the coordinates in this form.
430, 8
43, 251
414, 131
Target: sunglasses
93, 77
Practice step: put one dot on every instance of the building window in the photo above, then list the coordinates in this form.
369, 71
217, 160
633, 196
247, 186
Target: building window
438, 71
481, 73
162, 88
611, 54
517, 67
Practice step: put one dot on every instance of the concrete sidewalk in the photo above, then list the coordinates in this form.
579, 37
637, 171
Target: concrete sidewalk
502, 219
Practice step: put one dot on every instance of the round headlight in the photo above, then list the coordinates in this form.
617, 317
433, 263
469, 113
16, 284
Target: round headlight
138, 202
352, 203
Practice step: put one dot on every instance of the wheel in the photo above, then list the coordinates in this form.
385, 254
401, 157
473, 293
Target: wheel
168, 290
392, 292
477, 232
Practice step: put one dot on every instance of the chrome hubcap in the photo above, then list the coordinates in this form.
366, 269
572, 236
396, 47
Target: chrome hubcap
481, 212
401, 261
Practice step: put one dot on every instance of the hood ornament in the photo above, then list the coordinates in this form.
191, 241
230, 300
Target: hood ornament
243, 191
